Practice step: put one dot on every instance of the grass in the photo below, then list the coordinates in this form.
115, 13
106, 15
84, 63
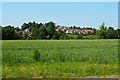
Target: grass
74, 36
60, 58
90, 37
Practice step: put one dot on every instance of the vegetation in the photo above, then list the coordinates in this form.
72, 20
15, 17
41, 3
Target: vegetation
43, 51
59, 58
110, 33
33, 31
90, 37
36, 55
74, 36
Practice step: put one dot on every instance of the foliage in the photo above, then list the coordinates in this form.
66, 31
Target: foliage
109, 33
25, 36
42, 33
0, 32
33, 30
8, 33
50, 27
102, 32
36, 55
58, 35
94, 36
80, 36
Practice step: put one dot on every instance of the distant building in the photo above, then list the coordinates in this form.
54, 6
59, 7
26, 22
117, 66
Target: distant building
75, 31
27, 31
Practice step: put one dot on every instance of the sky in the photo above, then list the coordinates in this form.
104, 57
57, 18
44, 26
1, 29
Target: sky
60, 0
80, 14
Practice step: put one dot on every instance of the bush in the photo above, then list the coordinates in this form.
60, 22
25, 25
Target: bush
36, 55
80, 36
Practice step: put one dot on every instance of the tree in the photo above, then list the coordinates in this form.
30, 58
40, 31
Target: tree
25, 36
74, 27
25, 26
33, 30
118, 33
8, 33
57, 34
17, 29
102, 32
19, 34
114, 35
30, 25
35, 33
110, 33
42, 32
94, 30
39, 33
50, 27
0, 32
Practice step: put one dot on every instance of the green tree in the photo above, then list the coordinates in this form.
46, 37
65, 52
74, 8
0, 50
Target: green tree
102, 32
0, 32
42, 32
58, 34
35, 33
25, 26
110, 32
50, 27
20, 34
118, 33
8, 33
25, 36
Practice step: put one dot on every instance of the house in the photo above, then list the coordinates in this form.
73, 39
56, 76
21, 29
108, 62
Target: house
27, 31
75, 31
69, 31
84, 31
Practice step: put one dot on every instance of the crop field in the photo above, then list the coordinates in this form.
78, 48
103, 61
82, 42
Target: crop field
60, 58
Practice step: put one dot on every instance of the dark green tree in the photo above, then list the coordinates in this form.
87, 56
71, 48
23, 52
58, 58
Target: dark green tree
8, 33
118, 33
42, 32
19, 34
50, 27
0, 32
57, 34
110, 33
25, 26
35, 33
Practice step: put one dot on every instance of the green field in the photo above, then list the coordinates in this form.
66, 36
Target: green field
74, 36
60, 58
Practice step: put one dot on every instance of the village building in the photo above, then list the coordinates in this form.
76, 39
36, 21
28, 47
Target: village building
75, 31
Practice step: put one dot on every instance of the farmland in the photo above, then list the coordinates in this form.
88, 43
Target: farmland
60, 58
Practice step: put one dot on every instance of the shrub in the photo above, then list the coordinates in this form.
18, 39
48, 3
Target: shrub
36, 55
80, 36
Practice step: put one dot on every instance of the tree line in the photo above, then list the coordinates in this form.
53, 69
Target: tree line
33, 31
108, 33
